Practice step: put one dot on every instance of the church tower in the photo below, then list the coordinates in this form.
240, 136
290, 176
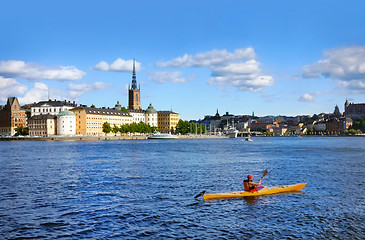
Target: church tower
134, 102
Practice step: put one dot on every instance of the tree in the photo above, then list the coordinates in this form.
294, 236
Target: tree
359, 124
183, 127
92, 106
124, 110
106, 128
22, 130
124, 128
115, 129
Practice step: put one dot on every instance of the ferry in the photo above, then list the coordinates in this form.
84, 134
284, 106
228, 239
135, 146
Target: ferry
232, 133
158, 135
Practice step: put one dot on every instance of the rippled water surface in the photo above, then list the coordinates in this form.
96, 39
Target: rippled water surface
145, 189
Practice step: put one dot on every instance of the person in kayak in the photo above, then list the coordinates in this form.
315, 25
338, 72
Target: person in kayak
251, 186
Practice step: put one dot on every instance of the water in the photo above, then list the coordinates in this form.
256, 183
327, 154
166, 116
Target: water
145, 189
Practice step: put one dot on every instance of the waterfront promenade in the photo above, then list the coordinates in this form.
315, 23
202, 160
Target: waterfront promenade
100, 138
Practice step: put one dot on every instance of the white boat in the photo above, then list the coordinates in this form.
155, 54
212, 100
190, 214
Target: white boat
158, 135
233, 133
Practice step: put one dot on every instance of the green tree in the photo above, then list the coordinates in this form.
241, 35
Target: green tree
133, 127
124, 110
359, 124
106, 128
183, 127
124, 128
115, 129
193, 128
202, 129
22, 130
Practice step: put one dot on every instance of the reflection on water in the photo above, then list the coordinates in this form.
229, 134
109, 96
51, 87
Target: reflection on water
145, 189
251, 200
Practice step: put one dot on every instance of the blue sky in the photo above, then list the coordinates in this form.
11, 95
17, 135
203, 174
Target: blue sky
194, 57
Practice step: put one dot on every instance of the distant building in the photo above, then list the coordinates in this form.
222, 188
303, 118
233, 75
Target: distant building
66, 123
134, 102
11, 117
319, 126
338, 125
138, 115
151, 117
51, 107
89, 121
42, 125
211, 123
148, 116
167, 121
337, 112
354, 111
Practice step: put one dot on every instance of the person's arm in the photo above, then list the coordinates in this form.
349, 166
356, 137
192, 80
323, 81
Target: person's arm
256, 184
260, 181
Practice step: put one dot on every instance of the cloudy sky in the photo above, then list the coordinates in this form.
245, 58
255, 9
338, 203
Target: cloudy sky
194, 57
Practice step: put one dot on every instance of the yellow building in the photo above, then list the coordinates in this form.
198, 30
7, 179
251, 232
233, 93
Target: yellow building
167, 121
89, 121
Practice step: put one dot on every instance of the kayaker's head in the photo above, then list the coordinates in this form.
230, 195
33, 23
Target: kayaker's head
249, 177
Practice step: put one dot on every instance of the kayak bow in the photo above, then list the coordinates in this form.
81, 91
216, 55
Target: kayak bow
263, 191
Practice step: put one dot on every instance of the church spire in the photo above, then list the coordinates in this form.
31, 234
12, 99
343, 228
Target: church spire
134, 81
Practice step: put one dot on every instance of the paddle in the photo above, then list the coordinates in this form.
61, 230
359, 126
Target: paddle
200, 194
265, 173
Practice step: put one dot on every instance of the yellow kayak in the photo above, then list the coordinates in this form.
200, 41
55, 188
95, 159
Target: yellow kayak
262, 191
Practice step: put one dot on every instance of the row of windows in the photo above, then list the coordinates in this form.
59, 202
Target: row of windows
48, 110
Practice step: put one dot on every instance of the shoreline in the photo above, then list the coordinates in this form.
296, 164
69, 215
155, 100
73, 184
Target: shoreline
100, 138
143, 137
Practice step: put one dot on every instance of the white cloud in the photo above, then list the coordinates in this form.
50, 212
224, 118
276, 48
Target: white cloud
119, 65
306, 98
344, 64
163, 77
32, 71
242, 82
238, 68
39, 92
9, 87
76, 90
206, 59
355, 86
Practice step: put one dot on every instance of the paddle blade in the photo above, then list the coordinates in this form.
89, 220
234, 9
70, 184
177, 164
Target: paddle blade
200, 194
265, 173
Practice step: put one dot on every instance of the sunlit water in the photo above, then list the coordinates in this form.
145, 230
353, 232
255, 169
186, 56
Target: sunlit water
145, 189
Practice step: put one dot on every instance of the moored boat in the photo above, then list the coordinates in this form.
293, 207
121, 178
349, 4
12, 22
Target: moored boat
260, 192
158, 135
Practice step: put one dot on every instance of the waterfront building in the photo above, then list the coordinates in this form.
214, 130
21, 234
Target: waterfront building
338, 125
51, 107
11, 117
138, 115
66, 123
42, 125
279, 131
151, 116
211, 123
167, 121
354, 111
148, 116
319, 126
89, 121
134, 96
